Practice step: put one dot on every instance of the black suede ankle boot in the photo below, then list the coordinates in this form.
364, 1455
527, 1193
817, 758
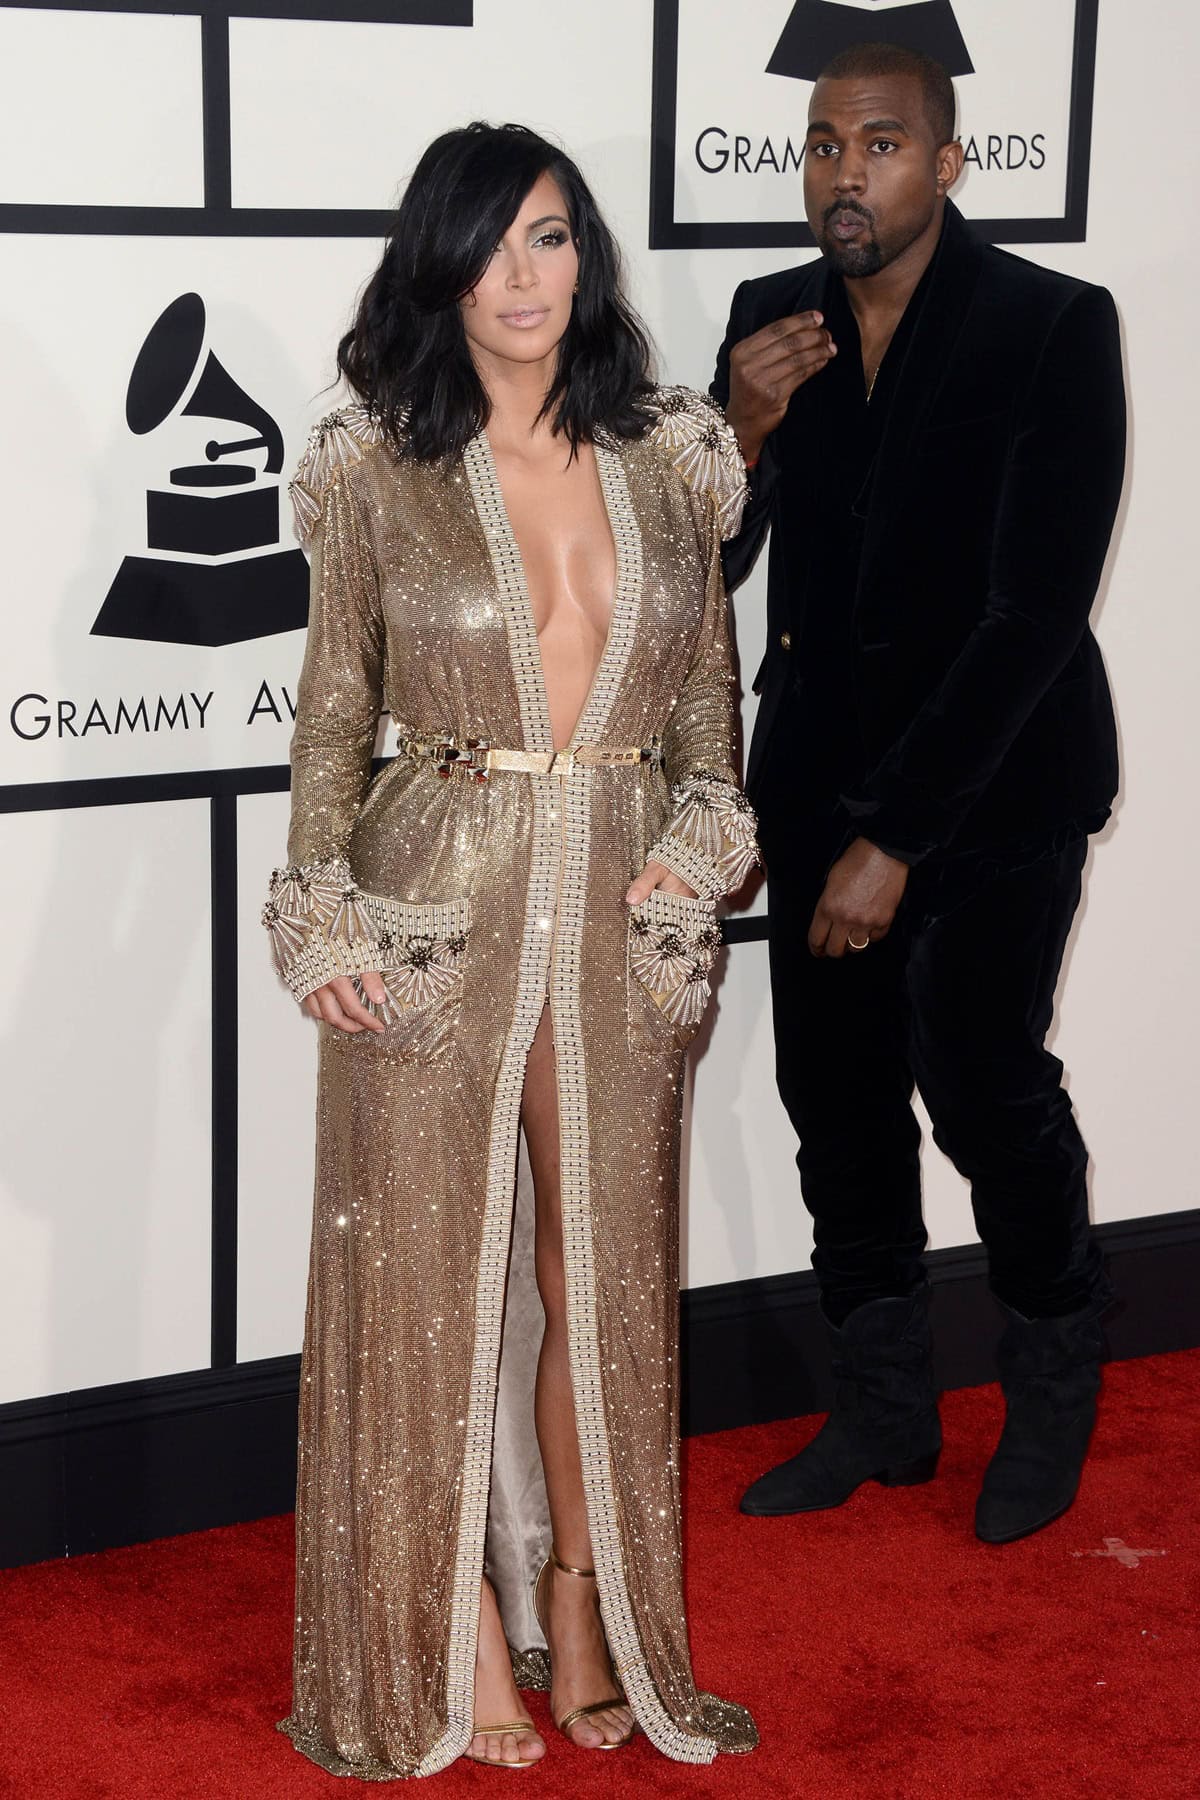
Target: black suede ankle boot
1050, 1374
884, 1423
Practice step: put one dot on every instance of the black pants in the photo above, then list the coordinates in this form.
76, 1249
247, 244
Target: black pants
958, 1000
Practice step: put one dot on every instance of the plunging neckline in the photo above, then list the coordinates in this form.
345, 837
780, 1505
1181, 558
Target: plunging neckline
488, 495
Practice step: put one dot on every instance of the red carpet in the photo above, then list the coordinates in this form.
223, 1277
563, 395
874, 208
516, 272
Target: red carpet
884, 1652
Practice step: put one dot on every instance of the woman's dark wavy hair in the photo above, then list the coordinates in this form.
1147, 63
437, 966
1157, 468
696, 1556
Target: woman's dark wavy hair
406, 355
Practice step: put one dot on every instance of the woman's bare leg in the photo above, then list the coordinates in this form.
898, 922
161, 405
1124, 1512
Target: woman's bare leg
497, 1701
496, 1697
579, 1652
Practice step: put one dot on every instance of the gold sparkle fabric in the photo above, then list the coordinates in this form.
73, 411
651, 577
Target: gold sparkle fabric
482, 901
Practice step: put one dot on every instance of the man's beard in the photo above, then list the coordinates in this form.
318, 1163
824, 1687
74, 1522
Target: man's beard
854, 260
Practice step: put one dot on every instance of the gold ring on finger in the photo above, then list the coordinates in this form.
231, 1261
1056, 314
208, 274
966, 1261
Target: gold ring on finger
865, 945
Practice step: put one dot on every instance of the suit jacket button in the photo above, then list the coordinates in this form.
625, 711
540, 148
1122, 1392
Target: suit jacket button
785, 640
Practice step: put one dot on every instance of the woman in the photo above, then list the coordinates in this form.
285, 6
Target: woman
516, 552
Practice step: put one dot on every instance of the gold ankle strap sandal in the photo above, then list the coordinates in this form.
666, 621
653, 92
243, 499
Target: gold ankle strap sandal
596, 1706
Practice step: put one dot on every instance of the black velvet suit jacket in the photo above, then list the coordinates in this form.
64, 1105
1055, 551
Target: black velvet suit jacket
981, 696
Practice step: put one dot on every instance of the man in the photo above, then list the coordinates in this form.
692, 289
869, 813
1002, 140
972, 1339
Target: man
935, 432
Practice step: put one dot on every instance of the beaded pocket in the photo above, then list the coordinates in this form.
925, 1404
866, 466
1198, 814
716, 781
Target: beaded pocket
421, 950
673, 940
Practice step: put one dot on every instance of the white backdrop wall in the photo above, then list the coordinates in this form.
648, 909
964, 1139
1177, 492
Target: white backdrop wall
105, 1176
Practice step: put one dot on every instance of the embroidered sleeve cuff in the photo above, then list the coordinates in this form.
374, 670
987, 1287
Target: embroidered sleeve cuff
710, 841
319, 925
320, 961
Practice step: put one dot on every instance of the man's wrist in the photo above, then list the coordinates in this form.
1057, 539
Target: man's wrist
750, 443
906, 858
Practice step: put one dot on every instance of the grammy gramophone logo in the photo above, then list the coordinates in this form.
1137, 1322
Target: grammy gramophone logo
199, 585
818, 30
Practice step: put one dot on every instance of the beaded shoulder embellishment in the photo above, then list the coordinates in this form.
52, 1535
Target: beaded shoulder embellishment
692, 430
340, 438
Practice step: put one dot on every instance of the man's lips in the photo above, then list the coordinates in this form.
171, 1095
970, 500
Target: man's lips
845, 225
525, 317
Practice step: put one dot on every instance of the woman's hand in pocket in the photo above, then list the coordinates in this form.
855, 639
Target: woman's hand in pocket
338, 1004
657, 875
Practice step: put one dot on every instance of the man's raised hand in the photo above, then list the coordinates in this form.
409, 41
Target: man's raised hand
765, 370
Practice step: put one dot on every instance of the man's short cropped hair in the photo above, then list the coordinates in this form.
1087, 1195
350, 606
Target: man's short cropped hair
937, 89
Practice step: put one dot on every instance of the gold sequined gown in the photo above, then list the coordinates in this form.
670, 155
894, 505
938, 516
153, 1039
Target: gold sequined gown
480, 899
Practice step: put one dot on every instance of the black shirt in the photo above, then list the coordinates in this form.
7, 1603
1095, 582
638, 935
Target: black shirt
839, 437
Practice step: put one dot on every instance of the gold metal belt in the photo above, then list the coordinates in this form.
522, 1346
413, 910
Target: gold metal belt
477, 758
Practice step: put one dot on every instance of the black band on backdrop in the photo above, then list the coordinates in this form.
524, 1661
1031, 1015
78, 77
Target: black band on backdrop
196, 221
365, 12
223, 835
1079, 131
137, 790
214, 76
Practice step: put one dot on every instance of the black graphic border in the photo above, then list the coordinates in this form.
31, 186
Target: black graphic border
668, 233
218, 217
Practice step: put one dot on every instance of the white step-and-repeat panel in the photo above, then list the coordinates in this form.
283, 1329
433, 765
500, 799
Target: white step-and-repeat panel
189, 203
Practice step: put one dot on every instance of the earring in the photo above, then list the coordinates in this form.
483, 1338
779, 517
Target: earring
575, 289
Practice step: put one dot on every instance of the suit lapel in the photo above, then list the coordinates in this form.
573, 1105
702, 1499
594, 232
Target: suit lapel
943, 312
